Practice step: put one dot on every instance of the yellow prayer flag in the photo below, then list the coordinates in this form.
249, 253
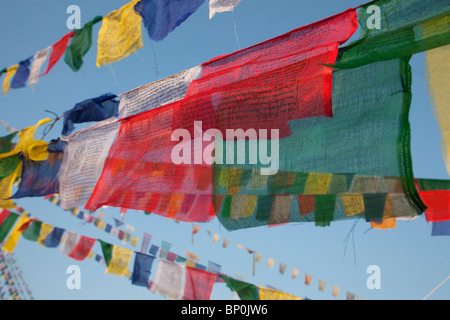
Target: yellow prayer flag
14, 237
10, 72
120, 261
134, 241
267, 294
120, 35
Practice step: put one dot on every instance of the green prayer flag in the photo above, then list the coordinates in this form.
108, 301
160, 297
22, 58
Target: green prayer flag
246, 291
80, 45
107, 251
6, 142
33, 231
433, 185
324, 209
7, 225
8, 165
405, 28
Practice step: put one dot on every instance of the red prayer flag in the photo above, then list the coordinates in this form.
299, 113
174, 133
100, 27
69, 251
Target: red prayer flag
199, 284
438, 205
261, 87
58, 50
82, 249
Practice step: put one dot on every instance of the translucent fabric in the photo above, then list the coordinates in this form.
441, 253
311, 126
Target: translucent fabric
58, 50
199, 284
438, 79
90, 110
328, 172
80, 45
281, 81
29, 148
169, 280
162, 16
22, 74
10, 72
120, 35
216, 6
40, 178
38, 61
407, 27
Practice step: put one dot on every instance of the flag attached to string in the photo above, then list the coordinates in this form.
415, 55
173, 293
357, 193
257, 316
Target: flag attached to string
217, 6
10, 72
169, 280
120, 35
142, 270
162, 16
80, 45
22, 74
199, 284
15, 235
58, 50
117, 259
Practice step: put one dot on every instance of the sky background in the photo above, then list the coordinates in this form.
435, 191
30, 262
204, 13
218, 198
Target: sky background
412, 262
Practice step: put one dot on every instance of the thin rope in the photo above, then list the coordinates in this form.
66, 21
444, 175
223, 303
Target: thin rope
432, 291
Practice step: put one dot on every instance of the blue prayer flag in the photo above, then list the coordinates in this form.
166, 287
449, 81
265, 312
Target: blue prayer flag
23, 72
142, 269
162, 16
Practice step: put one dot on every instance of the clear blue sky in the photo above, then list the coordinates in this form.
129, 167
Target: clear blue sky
412, 262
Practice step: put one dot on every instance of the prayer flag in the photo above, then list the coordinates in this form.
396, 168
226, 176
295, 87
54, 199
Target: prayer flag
22, 74
15, 235
38, 60
82, 248
199, 284
169, 280
80, 45
142, 269
58, 50
216, 6
120, 35
10, 72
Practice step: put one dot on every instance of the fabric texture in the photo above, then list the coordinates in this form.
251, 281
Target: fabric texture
268, 294
58, 50
119, 261
7, 224
438, 75
82, 248
40, 178
38, 61
22, 74
10, 72
90, 110
169, 280
120, 35
407, 28
15, 235
259, 75
142, 270
162, 16
199, 284
246, 291
334, 175
216, 6
28, 148
80, 45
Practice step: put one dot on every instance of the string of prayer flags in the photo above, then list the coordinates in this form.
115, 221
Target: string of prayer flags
212, 97
120, 35
404, 28
162, 16
437, 74
22, 74
216, 6
29, 148
58, 50
80, 45
10, 72
90, 110
39, 59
